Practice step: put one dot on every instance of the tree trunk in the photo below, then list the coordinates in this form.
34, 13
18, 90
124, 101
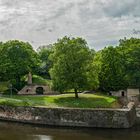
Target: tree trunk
76, 93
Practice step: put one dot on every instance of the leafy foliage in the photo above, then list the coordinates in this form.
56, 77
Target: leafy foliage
112, 74
70, 62
71, 65
131, 52
17, 58
44, 52
120, 66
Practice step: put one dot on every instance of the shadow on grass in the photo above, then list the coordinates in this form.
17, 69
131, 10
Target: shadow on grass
61, 101
83, 102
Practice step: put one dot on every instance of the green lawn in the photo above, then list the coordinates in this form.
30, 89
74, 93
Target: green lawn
65, 100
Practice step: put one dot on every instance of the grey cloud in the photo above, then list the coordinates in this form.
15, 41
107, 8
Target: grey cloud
43, 21
111, 8
58, 13
122, 8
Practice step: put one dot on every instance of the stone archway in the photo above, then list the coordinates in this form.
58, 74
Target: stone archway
39, 90
123, 93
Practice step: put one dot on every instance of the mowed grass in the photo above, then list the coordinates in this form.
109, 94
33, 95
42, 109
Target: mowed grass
63, 100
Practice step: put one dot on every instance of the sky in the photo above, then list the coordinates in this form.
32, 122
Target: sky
42, 22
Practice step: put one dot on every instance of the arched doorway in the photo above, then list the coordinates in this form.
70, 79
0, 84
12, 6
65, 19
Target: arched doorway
39, 90
123, 93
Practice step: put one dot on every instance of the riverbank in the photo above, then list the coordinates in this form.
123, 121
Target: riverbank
76, 117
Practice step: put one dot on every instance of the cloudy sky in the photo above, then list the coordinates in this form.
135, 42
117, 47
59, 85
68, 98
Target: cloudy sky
100, 22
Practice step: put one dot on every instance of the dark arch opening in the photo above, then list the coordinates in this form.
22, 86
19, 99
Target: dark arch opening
110, 94
123, 94
39, 90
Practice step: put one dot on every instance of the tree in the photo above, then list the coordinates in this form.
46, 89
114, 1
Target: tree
131, 50
70, 64
17, 58
44, 52
112, 75
94, 70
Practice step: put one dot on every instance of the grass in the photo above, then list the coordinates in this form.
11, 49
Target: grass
3, 86
65, 100
40, 80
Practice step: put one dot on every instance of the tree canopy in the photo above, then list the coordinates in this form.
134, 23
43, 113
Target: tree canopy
131, 51
70, 62
112, 73
120, 65
17, 58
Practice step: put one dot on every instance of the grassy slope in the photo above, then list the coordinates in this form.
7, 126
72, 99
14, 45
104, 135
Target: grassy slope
3, 86
40, 80
67, 100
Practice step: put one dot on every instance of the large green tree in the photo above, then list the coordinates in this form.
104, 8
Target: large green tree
70, 59
112, 75
130, 48
17, 58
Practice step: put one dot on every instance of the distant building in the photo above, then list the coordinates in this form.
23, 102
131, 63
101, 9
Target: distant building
119, 93
131, 94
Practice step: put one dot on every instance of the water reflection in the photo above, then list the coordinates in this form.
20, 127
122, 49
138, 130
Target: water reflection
15, 131
41, 137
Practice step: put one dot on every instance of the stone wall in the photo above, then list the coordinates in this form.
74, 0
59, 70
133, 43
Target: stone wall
105, 118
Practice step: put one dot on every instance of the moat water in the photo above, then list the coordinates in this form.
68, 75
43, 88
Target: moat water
16, 131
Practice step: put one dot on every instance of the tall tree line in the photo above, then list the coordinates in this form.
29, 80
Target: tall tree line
71, 64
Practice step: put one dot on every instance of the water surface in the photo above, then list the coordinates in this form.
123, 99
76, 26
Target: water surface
16, 131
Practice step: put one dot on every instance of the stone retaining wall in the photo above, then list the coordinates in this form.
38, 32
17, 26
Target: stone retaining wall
105, 118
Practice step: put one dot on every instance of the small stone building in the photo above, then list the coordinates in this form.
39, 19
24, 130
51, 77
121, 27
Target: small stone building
131, 94
36, 89
119, 93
